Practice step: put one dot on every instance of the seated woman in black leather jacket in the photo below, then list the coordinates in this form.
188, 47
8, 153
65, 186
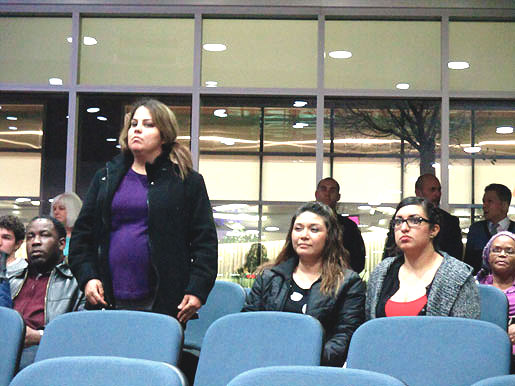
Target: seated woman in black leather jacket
311, 276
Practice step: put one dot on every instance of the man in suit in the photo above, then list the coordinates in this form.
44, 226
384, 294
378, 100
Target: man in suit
428, 187
496, 203
328, 192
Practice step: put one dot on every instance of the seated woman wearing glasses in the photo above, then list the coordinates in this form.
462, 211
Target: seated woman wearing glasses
311, 276
420, 280
499, 270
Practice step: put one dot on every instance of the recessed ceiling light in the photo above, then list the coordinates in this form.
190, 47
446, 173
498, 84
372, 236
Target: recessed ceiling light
69, 39
402, 86
89, 41
271, 229
300, 125
12, 128
472, 149
299, 103
458, 65
55, 81
93, 109
22, 199
214, 47
228, 141
101, 118
11, 118
118, 146
211, 83
110, 139
35, 203
504, 130
221, 113
340, 54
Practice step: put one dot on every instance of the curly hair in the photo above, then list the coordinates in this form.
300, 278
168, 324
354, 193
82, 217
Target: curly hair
334, 256
13, 224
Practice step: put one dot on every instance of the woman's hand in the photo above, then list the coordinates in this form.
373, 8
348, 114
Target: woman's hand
511, 333
189, 306
94, 291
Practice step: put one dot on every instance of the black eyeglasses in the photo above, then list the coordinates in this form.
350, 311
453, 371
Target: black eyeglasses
412, 221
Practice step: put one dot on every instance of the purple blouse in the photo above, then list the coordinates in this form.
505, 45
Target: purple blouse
129, 253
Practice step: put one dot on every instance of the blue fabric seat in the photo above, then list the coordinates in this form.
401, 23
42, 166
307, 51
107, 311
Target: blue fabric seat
99, 371
240, 342
312, 376
225, 298
12, 335
431, 350
494, 305
129, 334
502, 380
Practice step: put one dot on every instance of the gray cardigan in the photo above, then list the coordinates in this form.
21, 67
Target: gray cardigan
454, 291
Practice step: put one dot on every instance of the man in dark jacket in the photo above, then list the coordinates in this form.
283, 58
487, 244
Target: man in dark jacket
328, 192
44, 287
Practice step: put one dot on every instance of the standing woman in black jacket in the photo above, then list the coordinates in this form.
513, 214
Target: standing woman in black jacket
311, 276
145, 238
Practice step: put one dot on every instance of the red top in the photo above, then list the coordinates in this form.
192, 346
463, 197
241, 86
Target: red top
30, 301
412, 308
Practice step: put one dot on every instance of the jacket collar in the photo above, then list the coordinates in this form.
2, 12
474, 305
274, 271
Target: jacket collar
286, 268
62, 268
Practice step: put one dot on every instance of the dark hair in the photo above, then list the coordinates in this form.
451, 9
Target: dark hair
13, 224
166, 122
329, 179
58, 225
503, 192
334, 255
432, 214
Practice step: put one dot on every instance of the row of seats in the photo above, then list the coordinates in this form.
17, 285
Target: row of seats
104, 336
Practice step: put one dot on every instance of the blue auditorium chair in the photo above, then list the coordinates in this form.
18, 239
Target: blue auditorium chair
502, 380
99, 371
494, 305
12, 335
431, 350
240, 342
312, 376
129, 334
225, 298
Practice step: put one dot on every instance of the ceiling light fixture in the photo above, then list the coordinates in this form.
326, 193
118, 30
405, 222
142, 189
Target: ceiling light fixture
221, 113
110, 139
504, 130
101, 118
93, 109
299, 103
271, 229
55, 81
12, 128
69, 39
89, 41
300, 125
11, 118
214, 47
228, 141
211, 83
402, 86
458, 65
472, 149
340, 54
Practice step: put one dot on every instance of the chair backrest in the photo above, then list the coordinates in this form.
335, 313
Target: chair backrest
99, 371
502, 380
312, 376
12, 334
129, 334
494, 305
240, 342
225, 298
431, 350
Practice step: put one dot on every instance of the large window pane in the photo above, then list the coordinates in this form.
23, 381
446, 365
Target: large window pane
230, 177
35, 50
149, 52
489, 50
289, 178
259, 53
362, 54
290, 130
488, 172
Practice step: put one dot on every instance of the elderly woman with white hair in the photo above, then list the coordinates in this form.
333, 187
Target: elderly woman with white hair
66, 208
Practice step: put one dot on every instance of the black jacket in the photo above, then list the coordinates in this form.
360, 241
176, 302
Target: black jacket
182, 233
353, 242
340, 315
